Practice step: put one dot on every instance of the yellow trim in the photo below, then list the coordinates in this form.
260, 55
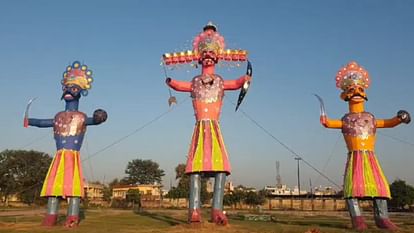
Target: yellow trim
369, 180
198, 155
45, 183
60, 176
217, 157
348, 179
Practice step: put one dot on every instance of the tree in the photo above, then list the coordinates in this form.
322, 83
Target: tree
235, 198
22, 172
402, 194
183, 188
133, 196
143, 172
254, 199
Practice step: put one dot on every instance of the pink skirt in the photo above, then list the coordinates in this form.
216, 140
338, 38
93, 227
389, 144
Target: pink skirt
364, 176
207, 152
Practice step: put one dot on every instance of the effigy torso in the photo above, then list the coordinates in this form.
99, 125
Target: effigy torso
359, 131
69, 128
207, 92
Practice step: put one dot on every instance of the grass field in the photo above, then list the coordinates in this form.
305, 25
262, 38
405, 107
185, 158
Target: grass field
174, 221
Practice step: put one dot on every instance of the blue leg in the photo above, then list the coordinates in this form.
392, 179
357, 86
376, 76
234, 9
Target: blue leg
381, 217
358, 221
217, 214
72, 218
52, 212
194, 212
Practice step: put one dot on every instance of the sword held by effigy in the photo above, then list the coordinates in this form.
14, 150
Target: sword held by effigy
26, 112
246, 85
321, 105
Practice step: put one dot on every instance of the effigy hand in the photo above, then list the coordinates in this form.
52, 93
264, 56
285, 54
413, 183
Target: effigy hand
404, 116
247, 78
99, 116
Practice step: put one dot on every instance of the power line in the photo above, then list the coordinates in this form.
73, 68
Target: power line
295, 155
132, 133
330, 156
397, 139
35, 140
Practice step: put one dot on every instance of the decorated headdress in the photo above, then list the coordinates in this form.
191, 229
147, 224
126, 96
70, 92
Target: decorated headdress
77, 74
352, 74
208, 40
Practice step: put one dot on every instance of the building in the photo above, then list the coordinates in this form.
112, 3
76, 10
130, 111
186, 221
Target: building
325, 191
146, 190
94, 192
228, 186
283, 190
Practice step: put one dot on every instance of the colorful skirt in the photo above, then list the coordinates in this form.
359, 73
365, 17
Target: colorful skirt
207, 152
364, 176
64, 177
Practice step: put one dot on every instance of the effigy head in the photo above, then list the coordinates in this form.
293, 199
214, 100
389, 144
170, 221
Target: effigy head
353, 79
76, 81
208, 44
208, 49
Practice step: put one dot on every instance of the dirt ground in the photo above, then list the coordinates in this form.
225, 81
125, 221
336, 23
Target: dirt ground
174, 221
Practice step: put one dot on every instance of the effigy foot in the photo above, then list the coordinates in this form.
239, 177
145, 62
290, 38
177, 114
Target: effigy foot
385, 223
50, 220
194, 216
72, 221
218, 217
358, 223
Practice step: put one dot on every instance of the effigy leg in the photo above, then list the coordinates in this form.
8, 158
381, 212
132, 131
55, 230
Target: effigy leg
358, 222
194, 211
217, 215
52, 212
381, 217
72, 218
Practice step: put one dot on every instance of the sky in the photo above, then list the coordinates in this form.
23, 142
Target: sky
296, 48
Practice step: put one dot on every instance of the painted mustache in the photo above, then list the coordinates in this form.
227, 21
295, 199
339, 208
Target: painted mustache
67, 93
354, 95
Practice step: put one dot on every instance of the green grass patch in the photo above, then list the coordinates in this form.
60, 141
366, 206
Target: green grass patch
174, 221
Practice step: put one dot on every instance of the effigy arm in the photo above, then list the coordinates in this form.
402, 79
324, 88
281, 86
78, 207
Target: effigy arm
41, 123
99, 117
237, 83
330, 123
402, 117
182, 86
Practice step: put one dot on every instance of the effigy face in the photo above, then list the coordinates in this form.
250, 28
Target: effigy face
207, 88
361, 125
69, 124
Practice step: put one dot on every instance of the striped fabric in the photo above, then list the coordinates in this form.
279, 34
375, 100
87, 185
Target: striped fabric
364, 176
207, 152
64, 177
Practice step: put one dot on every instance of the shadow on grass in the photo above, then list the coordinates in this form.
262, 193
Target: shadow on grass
161, 217
332, 224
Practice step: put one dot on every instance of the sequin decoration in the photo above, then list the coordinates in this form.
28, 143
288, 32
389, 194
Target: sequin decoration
69, 124
360, 125
207, 88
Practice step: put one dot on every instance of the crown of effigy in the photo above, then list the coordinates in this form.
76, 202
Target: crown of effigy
352, 74
208, 40
77, 74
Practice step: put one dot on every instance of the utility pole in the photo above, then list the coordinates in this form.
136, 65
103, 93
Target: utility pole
298, 159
